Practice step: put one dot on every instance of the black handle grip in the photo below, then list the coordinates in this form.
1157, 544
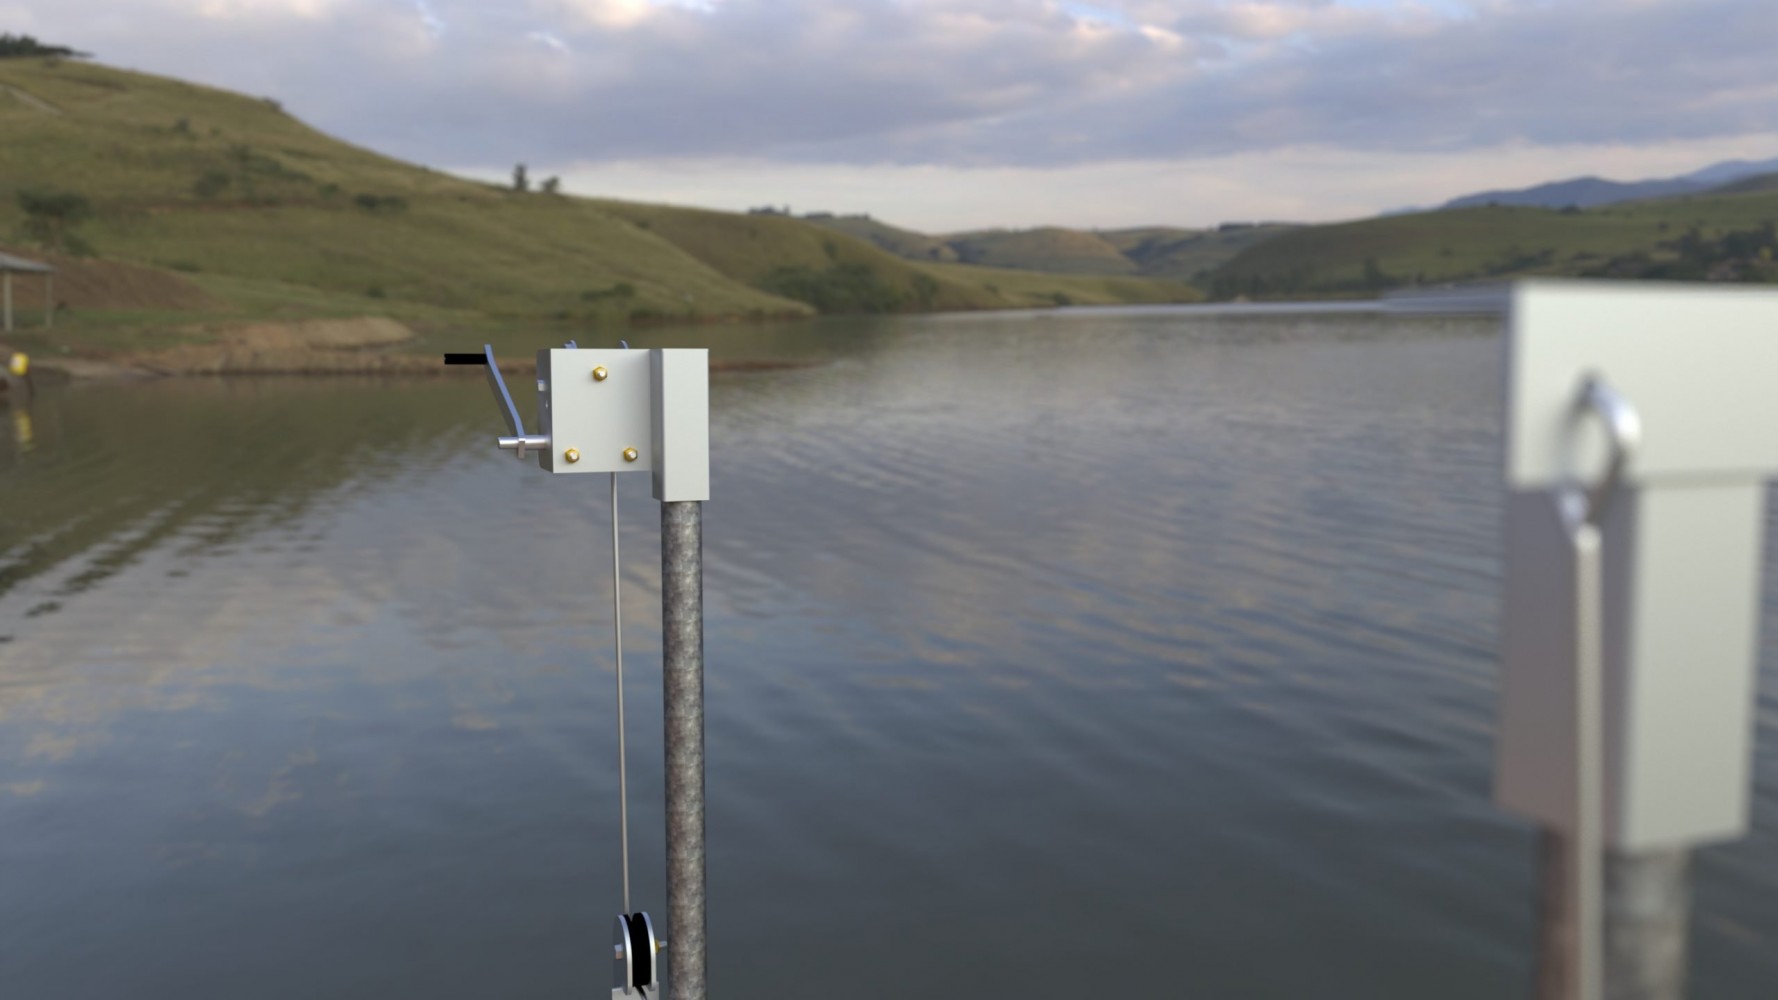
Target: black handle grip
466, 359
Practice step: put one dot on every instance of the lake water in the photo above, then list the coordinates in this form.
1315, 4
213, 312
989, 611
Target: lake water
1058, 655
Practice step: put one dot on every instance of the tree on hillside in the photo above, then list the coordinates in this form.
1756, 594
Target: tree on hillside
25, 47
521, 182
50, 218
551, 185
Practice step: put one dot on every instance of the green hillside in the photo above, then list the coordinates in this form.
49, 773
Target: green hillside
900, 242
1715, 236
1188, 254
790, 257
217, 185
1161, 252
1066, 251
271, 219
1144, 238
1749, 185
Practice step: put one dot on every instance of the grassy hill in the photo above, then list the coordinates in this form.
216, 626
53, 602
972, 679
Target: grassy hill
268, 218
1161, 252
1066, 251
1724, 235
1188, 254
797, 260
900, 242
264, 212
1749, 185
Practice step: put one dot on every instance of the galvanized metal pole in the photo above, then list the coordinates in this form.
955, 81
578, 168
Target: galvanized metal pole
682, 654
1647, 902
1555, 953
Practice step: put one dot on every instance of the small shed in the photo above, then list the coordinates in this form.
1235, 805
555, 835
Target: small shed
9, 266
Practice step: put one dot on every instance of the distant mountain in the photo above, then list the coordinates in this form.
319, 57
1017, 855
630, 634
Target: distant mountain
1585, 192
1580, 192
1155, 251
1731, 170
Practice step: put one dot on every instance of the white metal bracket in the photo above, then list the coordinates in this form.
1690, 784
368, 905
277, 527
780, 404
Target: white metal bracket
615, 411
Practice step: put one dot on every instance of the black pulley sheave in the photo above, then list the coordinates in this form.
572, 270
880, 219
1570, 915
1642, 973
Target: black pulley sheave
637, 951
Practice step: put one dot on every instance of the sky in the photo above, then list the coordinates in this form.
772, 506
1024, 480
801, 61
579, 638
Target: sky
945, 115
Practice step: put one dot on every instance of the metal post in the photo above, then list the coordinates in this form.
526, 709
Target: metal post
1554, 952
1647, 901
682, 654
6, 279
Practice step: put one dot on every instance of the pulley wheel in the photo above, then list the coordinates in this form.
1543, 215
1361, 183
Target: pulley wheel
634, 937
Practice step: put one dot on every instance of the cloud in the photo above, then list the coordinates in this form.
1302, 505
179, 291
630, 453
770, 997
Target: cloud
238, 9
958, 83
1310, 183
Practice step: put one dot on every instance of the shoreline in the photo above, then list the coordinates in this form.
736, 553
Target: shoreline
354, 346
314, 365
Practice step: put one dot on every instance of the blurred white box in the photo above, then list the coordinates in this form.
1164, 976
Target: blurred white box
1682, 549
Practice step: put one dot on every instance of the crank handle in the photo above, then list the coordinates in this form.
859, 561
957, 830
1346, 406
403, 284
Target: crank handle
518, 440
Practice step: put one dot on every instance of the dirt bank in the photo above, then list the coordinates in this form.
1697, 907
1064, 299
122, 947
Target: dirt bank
295, 348
354, 346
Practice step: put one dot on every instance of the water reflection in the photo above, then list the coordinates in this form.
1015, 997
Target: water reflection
1183, 629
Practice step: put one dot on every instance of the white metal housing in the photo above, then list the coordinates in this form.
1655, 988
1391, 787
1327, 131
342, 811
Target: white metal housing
653, 405
1682, 551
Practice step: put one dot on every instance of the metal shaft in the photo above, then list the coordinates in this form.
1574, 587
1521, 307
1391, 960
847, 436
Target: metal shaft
623, 768
1585, 875
1570, 948
682, 642
1612, 930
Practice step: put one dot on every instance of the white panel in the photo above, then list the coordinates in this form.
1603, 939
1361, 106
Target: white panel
1681, 597
681, 428
1695, 640
1700, 366
598, 419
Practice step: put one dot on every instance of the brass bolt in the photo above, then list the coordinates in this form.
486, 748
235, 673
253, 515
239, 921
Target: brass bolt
572, 455
600, 374
630, 454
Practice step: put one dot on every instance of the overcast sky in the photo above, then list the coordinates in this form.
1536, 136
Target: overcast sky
951, 114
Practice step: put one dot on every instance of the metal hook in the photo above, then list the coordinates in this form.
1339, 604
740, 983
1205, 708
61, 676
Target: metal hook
1623, 430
